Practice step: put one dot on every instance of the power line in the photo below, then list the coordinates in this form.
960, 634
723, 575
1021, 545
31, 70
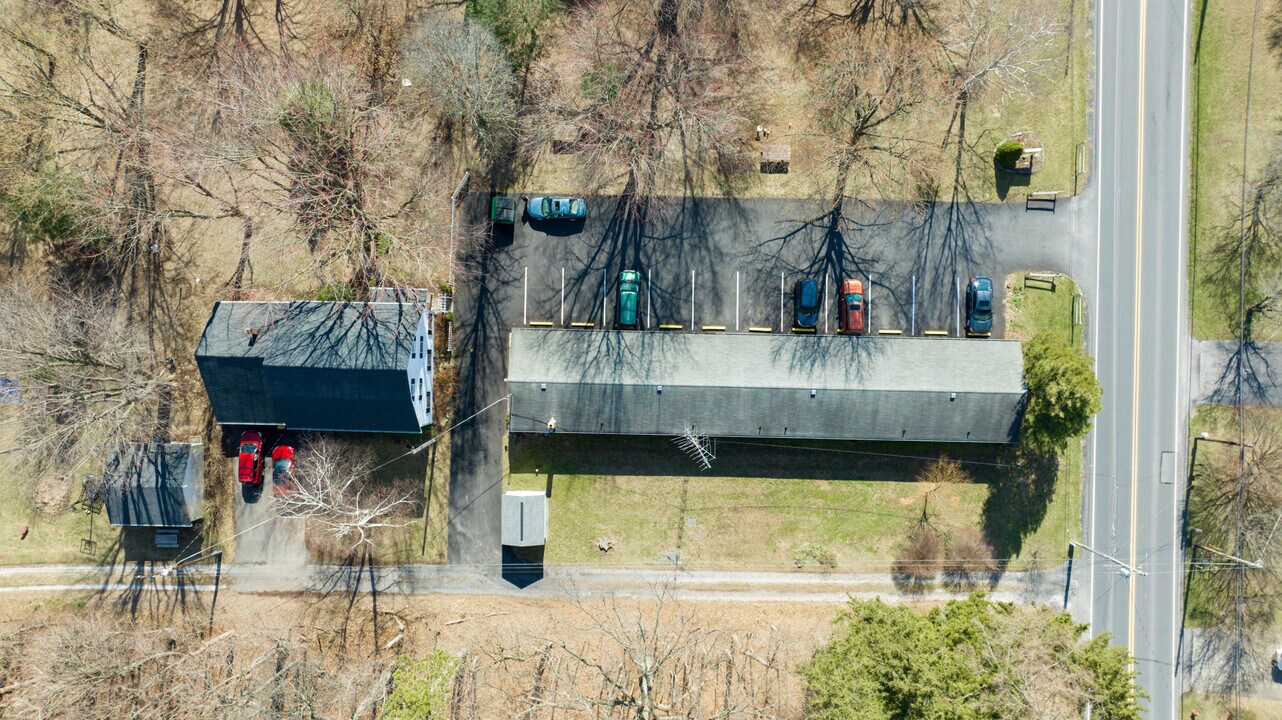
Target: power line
1241, 406
440, 435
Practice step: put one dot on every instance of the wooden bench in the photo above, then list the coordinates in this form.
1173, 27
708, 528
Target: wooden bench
167, 539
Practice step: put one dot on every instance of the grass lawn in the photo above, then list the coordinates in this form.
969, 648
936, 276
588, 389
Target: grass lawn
1220, 58
1033, 306
762, 501
1214, 707
53, 538
775, 94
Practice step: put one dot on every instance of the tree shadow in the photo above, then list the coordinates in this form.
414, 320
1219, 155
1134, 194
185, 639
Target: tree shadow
648, 456
337, 590
1006, 180
1018, 499
1246, 378
910, 581
153, 590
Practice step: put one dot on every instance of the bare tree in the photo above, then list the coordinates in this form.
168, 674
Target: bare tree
334, 488
645, 660
100, 665
894, 15
309, 144
1236, 506
997, 44
209, 29
88, 377
91, 83
652, 99
461, 71
862, 100
937, 474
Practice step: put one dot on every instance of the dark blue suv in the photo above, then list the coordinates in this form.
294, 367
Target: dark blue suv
805, 299
979, 305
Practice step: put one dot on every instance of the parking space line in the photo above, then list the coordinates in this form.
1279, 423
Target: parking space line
525, 298
825, 304
603, 281
736, 301
563, 296
648, 281
692, 298
780, 302
913, 326
957, 301
868, 301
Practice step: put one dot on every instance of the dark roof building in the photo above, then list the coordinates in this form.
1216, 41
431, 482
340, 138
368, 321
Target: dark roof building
154, 485
797, 386
340, 366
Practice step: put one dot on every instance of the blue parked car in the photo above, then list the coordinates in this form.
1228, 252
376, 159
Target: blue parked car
557, 208
979, 305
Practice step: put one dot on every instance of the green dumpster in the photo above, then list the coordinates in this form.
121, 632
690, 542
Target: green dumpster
503, 210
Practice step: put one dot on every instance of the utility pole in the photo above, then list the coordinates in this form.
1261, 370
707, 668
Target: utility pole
1234, 558
1126, 568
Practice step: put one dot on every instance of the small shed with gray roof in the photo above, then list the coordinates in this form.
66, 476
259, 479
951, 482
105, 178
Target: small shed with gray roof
337, 366
154, 485
525, 518
832, 387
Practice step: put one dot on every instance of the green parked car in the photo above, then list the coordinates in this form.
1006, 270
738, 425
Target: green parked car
629, 288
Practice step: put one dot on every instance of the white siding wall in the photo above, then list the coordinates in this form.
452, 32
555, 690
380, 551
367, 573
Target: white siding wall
419, 372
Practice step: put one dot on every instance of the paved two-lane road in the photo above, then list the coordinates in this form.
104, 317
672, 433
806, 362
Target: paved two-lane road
1137, 452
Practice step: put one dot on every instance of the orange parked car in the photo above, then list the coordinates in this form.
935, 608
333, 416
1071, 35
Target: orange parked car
852, 307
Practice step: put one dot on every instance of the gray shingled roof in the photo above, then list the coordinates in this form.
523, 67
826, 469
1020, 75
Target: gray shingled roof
154, 485
312, 365
864, 388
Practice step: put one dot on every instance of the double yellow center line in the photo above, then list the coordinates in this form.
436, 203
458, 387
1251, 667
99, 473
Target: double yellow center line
1135, 378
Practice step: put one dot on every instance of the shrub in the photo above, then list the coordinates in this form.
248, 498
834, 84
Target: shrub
968, 559
518, 25
335, 292
52, 207
809, 553
1008, 153
310, 113
420, 688
918, 562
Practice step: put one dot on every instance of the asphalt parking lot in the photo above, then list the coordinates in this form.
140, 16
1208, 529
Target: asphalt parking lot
713, 262
728, 266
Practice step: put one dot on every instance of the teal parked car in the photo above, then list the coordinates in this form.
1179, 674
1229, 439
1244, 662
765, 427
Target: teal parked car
629, 289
